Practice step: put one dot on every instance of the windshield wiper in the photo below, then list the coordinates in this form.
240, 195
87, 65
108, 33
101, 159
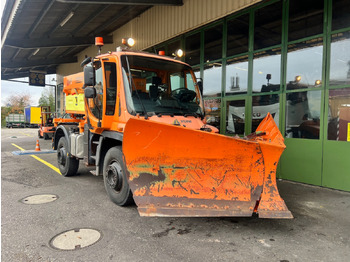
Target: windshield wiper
163, 114
191, 114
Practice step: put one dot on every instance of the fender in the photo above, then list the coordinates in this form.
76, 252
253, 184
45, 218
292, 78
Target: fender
117, 136
113, 134
62, 130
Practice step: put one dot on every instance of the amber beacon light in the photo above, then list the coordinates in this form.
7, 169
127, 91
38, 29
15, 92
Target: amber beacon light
99, 43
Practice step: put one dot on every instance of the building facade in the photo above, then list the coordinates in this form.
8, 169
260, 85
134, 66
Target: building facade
287, 57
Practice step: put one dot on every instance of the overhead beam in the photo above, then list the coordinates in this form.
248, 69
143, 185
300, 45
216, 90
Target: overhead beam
126, 2
54, 42
38, 63
95, 14
43, 13
21, 74
120, 14
52, 31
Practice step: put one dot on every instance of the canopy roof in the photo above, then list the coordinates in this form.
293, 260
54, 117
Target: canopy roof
38, 35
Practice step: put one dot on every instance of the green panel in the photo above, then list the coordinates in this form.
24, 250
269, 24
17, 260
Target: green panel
336, 165
302, 161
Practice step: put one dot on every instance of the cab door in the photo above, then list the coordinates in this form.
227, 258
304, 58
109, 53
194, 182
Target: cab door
110, 110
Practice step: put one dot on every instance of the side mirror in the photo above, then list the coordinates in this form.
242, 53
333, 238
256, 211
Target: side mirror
200, 85
90, 92
89, 75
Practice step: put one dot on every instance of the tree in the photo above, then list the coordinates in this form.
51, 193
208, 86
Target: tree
18, 102
15, 105
48, 98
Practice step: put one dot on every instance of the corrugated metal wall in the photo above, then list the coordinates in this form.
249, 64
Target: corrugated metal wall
161, 23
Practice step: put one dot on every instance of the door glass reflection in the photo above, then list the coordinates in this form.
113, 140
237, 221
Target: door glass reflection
237, 75
212, 80
263, 105
304, 64
235, 117
267, 71
340, 59
212, 112
339, 114
303, 114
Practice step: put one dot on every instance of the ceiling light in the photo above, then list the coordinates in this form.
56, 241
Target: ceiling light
69, 16
36, 51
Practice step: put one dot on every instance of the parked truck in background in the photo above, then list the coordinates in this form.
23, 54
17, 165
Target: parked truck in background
15, 120
138, 118
32, 116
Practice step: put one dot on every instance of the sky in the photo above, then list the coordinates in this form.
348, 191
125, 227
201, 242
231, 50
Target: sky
9, 88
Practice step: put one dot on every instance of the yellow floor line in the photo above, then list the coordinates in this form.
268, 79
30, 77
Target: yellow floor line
26, 134
40, 160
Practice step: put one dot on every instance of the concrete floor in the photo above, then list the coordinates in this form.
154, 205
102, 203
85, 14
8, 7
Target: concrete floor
320, 230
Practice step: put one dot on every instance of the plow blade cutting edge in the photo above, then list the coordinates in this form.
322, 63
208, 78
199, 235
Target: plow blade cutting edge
175, 171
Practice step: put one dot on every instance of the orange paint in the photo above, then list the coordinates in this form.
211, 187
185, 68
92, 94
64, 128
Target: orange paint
203, 166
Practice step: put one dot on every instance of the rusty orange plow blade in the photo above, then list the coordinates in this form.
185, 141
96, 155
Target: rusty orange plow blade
175, 171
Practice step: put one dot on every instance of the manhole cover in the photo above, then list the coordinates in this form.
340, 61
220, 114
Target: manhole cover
39, 199
75, 239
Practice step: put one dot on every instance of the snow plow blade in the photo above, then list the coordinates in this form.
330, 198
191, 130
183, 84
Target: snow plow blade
176, 171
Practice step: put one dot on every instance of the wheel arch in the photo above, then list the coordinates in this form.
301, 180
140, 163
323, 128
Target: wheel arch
61, 131
110, 139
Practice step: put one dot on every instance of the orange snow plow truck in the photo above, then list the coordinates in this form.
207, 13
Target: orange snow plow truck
138, 118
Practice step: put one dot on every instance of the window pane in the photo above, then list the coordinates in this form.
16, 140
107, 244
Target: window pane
267, 71
192, 53
95, 105
305, 18
237, 75
263, 105
340, 59
197, 72
339, 114
212, 80
268, 26
304, 64
237, 35
303, 114
212, 112
235, 115
213, 43
189, 82
111, 87
340, 17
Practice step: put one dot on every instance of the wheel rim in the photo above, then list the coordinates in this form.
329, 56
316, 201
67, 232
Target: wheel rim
114, 176
61, 156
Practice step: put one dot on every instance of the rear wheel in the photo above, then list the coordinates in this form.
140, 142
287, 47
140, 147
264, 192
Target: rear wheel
39, 134
46, 136
68, 166
114, 177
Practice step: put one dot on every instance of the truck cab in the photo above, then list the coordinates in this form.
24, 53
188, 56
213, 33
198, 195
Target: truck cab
118, 86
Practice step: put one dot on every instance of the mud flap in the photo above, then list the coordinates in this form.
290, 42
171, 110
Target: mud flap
175, 171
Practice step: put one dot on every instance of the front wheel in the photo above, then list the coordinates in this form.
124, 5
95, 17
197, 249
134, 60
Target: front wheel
68, 166
114, 177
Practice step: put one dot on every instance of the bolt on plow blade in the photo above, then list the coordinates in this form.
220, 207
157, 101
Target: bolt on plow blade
175, 171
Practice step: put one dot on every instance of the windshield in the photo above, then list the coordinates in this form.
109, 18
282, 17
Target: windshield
160, 87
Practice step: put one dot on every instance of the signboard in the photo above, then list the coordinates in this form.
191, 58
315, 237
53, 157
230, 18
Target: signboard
36, 79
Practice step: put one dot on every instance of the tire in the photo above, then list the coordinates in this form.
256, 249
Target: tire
114, 177
68, 166
46, 136
39, 134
